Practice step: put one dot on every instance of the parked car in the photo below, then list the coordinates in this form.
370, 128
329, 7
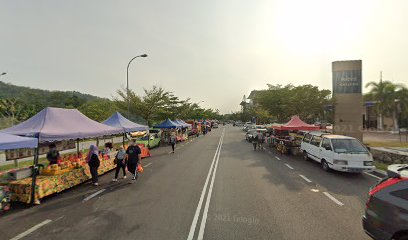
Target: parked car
239, 124
151, 140
215, 125
337, 152
387, 206
249, 136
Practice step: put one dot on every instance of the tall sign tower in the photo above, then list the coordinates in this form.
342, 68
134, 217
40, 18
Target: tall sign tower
347, 94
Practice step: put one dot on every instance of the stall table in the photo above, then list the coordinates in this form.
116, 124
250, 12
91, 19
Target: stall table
48, 185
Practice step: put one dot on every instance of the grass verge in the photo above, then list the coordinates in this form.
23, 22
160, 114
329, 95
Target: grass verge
387, 144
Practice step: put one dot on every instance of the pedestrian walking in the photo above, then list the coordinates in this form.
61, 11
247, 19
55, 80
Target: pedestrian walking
120, 163
173, 141
93, 162
255, 141
133, 158
260, 137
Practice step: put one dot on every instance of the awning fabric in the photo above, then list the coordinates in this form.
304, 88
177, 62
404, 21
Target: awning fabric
182, 123
296, 124
168, 124
117, 120
56, 124
8, 141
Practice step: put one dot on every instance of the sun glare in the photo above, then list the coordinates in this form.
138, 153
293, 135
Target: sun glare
307, 28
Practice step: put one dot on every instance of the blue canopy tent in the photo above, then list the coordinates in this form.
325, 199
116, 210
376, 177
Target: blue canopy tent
8, 141
119, 121
168, 124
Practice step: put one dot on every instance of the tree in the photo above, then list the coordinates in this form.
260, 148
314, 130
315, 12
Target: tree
12, 109
99, 109
281, 103
387, 95
149, 107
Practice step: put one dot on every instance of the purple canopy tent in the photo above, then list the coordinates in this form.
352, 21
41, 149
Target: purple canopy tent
8, 141
56, 124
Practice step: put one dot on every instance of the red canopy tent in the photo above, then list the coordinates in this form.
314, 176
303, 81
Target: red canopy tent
296, 124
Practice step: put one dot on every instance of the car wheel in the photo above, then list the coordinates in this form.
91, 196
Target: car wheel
325, 165
305, 156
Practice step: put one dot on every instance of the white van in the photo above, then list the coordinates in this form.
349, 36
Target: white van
337, 152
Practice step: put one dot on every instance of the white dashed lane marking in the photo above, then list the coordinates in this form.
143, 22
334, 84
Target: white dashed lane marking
36, 227
333, 198
287, 165
369, 174
94, 194
305, 178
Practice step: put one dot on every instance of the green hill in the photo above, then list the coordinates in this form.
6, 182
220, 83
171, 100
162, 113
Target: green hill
24, 102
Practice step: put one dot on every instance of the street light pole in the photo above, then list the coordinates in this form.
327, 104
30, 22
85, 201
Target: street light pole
127, 83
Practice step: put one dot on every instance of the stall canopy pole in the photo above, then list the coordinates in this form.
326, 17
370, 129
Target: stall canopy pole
123, 140
34, 177
77, 141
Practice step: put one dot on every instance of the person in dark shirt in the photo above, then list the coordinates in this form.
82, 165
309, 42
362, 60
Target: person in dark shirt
93, 162
53, 155
133, 158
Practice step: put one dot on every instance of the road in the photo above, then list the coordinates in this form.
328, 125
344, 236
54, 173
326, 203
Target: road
215, 187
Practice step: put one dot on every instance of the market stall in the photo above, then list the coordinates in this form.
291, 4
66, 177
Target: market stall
168, 126
183, 131
117, 120
53, 125
287, 137
7, 142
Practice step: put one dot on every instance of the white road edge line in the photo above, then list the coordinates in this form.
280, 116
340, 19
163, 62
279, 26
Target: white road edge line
200, 202
305, 178
287, 165
369, 174
24, 234
207, 203
277, 158
333, 198
147, 164
94, 194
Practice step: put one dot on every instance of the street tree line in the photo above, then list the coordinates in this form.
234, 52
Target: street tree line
278, 103
156, 104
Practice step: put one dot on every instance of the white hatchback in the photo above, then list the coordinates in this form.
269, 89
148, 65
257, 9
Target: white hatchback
337, 152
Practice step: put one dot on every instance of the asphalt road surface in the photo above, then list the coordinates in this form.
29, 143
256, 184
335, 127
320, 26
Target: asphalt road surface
214, 187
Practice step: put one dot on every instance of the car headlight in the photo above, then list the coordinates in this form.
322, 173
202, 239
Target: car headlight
340, 162
368, 163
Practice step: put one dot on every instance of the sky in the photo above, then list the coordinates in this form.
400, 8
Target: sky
213, 51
